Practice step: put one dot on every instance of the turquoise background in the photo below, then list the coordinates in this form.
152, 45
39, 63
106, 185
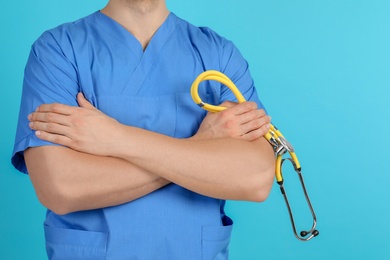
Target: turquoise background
322, 69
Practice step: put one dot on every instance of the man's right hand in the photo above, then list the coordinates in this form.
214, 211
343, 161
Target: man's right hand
243, 121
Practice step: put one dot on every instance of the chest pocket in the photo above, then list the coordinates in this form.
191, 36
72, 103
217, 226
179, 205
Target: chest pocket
173, 115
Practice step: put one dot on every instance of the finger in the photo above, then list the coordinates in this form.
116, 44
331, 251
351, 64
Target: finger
252, 115
256, 134
56, 108
48, 117
49, 127
256, 123
83, 102
228, 104
53, 138
244, 107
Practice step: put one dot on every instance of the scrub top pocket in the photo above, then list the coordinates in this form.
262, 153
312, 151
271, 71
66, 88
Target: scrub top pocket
65, 244
215, 241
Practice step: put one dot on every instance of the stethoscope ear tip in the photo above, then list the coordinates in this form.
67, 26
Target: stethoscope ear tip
304, 233
313, 233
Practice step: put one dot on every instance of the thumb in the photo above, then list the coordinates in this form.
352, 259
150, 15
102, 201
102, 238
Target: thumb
228, 104
83, 102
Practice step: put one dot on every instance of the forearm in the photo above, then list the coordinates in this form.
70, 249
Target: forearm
223, 168
229, 159
66, 180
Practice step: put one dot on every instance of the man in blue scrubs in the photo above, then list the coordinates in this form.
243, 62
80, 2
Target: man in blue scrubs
127, 165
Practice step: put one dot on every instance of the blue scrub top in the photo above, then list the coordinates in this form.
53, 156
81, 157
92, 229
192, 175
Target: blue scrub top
147, 89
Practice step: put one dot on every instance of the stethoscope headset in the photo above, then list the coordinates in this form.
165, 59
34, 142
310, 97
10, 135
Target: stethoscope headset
275, 138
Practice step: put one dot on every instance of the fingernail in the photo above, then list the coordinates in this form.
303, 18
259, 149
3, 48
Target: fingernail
29, 117
30, 124
38, 133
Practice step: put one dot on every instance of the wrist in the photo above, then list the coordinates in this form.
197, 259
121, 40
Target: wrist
119, 141
131, 142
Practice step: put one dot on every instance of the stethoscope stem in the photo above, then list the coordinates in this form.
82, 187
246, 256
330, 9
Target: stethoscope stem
303, 235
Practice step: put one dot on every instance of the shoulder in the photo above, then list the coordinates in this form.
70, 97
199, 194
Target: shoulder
64, 34
76, 26
202, 34
208, 43
67, 40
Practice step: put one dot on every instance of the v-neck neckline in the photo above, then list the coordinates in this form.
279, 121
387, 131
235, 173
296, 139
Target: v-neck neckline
143, 60
119, 32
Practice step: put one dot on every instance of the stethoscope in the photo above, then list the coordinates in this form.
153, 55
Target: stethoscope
275, 138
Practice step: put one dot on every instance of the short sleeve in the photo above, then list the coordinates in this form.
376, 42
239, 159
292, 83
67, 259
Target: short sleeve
50, 77
237, 69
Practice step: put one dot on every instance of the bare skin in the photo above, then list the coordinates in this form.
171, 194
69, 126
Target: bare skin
108, 173
141, 18
95, 169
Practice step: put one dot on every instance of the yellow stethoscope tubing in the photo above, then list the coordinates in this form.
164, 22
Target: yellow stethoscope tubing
222, 78
216, 76
274, 137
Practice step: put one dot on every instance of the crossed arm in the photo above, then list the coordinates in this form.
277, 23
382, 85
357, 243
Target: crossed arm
104, 163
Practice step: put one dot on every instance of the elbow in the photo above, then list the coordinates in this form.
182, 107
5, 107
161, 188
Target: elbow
262, 187
56, 208
56, 200
262, 182
257, 187
51, 188
55, 196
61, 207
261, 194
